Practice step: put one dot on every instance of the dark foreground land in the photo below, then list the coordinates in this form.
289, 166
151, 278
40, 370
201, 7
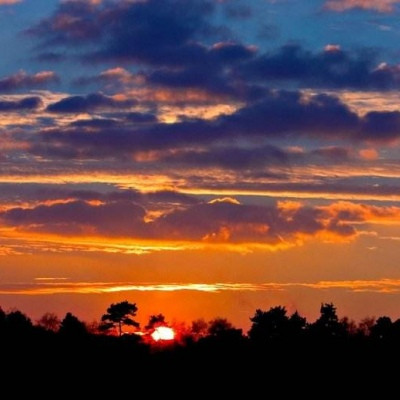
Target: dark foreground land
281, 356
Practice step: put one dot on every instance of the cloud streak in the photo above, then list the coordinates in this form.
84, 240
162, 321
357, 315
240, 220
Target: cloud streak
386, 286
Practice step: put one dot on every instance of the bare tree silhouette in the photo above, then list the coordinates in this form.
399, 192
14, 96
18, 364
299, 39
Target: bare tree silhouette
49, 321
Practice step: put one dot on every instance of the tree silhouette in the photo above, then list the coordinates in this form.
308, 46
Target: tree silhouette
269, 325
218, 326
328, 325
154, 321
274, 324
349, 326
49, 321
18, 323
3, 318
297, 324
119, 314
72, 326
223, 331
382, 330
199, 328
365, 326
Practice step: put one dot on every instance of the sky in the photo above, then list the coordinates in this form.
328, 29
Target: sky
200, 158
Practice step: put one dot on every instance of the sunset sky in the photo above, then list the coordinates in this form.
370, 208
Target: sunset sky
201, 158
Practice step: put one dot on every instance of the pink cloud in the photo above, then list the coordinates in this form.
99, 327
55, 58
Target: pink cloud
8, 2
384, 6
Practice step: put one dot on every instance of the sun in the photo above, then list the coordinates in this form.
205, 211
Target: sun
163, 333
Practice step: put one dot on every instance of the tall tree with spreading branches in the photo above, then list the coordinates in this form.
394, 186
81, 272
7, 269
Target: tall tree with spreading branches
118, 315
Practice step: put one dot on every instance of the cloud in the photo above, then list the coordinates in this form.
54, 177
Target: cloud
238, 11
9, 2
333, 67
190, 52
25, 104
347, 211
229, 222
229, 157
73, 21
155, 31
384, 6
210, 73
22, 80
369, 154
241, 72
173, 37
381, 125
78, 217
117, 77
91, 102
384, 285
279, 115
280, 112
30, 196
219, 221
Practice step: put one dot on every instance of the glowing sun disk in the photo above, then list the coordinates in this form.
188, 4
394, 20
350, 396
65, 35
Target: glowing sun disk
163, 333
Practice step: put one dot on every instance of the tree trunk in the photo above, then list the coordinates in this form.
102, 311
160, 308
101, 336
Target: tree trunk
120, 328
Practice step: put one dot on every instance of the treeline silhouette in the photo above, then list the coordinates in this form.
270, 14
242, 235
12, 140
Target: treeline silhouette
277, 345
268, 327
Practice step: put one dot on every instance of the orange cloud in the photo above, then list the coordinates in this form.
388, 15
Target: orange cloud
230, 200
362, 213
369, 154
51, 286
291, 194
288, 208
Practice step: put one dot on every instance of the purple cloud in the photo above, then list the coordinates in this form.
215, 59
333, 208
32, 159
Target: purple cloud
218, 221
91, 102
25, 104
23, 80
